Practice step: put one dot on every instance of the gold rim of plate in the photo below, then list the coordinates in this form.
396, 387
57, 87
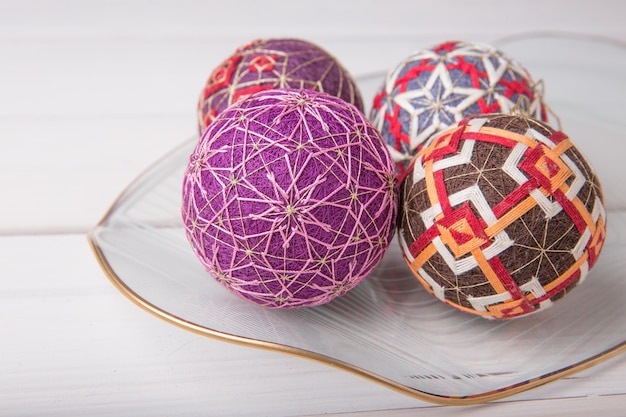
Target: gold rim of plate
239, 340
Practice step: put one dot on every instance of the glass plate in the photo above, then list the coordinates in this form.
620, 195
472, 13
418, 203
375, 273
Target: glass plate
389, 329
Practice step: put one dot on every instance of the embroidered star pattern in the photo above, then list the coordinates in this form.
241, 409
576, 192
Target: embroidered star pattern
274, 63
290, 198
502, 216
436, 88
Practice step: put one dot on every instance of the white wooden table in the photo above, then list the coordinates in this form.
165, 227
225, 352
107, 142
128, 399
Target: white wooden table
91, 93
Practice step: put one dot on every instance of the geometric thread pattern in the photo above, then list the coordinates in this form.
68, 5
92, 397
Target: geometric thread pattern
290, 198
435, 88
274, 63
501, 216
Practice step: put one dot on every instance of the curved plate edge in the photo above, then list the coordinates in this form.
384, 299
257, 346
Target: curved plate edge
489, 396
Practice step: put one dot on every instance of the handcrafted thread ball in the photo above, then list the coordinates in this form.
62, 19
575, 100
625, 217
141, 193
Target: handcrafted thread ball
501, 216
435, 88
290, 198
274, 63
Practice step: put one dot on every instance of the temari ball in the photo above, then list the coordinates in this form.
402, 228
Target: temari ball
501, 216
290, 198
274, 63
435, 88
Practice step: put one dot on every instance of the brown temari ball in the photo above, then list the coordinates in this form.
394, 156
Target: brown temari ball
501, 216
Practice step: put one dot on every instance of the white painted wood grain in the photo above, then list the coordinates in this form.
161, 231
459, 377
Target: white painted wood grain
323, 18
605, 405
93, 92
72, 345
60, 174
81, 119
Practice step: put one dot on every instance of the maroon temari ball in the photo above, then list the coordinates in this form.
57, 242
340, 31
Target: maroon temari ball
290, 198
274, 63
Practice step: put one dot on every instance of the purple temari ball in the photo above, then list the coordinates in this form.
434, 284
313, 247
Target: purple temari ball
274, 63
290, 198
